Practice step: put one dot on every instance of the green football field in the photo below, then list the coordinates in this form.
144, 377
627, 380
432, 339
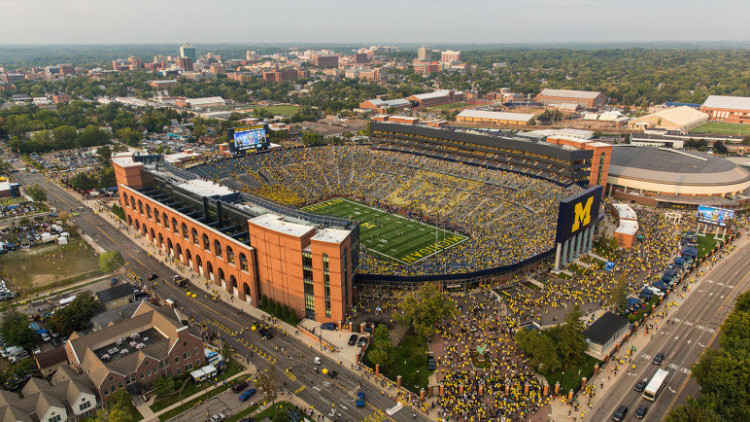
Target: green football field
723, 128
389, 235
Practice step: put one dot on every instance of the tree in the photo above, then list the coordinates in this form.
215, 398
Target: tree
83, 181
104, 154
110, 262
164, 386
746, 140
425, 308
719, 148
692, 411
618, 296
267, 383
572, 344
15, 330
77, 315
112, 415
313, 139
36, 192
382, 348
540, 348
129, 135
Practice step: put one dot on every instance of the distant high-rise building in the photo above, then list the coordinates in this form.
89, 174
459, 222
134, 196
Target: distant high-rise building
450, 56
325, 61
424, 54
360, 58
250, 55
186, 63
67, 69
188, 51
135, 63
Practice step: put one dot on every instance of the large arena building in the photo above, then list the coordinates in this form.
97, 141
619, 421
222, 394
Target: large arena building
664, 177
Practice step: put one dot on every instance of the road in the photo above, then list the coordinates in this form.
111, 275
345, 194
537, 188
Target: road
696, 326
294, 364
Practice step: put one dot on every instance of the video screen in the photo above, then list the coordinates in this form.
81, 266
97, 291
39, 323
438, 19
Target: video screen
248, 138
713, 215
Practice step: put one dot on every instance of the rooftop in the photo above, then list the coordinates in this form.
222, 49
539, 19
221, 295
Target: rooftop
605, 327
625, 211
205, 188
673, 167
331, 235
727, 102
569, 93
115, 292
276, 223
496, 115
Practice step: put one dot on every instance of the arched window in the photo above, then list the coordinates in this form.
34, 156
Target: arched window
156, 217
217, 248
174, 225
166, 220
184, 231
230, 255
194, 236
206, 243
125, 200
148, 211
132, 203
140, 207
243, 262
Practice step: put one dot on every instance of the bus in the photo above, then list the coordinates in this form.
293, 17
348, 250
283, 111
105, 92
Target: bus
655, 385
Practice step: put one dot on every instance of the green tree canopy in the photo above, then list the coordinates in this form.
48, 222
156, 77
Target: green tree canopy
425, 308
36, 192
110, 261
77, 315
15, 330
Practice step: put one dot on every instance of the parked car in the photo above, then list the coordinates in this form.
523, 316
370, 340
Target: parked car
431, 365
218, 417
317, 360
239, 387
352, 340
328, 326
362, 341
247, 394
620, 413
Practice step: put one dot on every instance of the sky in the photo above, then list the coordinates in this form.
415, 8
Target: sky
370, 21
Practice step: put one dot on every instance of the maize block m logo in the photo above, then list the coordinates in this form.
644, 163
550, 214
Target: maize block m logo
582, 214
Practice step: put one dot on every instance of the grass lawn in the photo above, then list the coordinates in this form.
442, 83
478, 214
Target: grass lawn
410, 357
191, 388
12, 201
286, 110
570, 379
44, 265
450, 106
706, 244
723, 128
271, 411
389, 235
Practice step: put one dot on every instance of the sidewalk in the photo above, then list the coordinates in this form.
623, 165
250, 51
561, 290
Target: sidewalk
606, 377
148, 415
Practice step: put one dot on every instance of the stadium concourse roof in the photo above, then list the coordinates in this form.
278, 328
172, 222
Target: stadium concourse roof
727, 102
496, 115
673, 167
569, 93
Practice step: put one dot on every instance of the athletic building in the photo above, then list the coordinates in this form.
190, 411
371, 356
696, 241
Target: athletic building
558, 97
727, 109
247, 245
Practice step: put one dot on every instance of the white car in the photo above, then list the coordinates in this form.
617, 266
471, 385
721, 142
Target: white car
317, 360
218, 417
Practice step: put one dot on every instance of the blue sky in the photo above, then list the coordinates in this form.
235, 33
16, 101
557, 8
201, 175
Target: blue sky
378, 21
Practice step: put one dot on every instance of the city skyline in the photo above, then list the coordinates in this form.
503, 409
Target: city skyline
335, 21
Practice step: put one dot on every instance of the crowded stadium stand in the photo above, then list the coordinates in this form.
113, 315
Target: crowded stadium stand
557, 164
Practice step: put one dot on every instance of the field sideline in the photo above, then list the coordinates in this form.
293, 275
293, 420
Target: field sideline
392, 236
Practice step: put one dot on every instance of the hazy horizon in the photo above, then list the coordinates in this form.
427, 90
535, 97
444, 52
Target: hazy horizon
430, 22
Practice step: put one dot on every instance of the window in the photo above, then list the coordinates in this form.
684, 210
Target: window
179, 371
184, 231
156, 217
327, 285
307, 276
132, 202
140, 207
230, 255
166, 221
206, 243
196, 351
143, 375
105, 391
194, 235
176, 359
56, 418
217, 248
148, 211
174, 225
243, 262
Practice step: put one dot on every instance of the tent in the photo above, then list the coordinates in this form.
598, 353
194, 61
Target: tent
632, 301
646, 294
670, 272
665, 279
690, 251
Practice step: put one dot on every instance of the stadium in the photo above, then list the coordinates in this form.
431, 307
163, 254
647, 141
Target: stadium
667, 177
429, 202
